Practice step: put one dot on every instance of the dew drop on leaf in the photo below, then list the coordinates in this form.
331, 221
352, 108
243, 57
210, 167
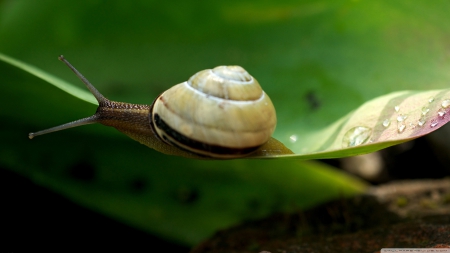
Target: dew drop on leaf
401, 128
421, 121
293, 138
356, 136
434, 123
401, 117
397, 108
445, 103
430, 100
425, 110
441, 112
386, 122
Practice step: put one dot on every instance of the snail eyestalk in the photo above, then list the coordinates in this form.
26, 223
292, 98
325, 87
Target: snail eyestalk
89, 120
100, 98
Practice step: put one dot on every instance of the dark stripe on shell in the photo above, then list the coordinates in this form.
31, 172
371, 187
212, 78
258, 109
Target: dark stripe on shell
197, 145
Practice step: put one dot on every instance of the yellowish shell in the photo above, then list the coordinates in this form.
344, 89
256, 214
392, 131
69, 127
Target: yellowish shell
221, 113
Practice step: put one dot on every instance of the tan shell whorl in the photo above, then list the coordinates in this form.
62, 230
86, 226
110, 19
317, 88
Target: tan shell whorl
220, 113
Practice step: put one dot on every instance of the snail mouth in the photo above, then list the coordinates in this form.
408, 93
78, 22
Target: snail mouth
175, 138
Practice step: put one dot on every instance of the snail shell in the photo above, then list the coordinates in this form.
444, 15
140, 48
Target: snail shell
220, 112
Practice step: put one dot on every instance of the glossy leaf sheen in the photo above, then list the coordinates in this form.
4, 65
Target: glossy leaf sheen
318, 60
59, 83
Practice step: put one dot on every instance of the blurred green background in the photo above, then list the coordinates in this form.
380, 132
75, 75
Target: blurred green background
318, 60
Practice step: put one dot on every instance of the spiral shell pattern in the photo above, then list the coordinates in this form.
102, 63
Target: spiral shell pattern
220, 113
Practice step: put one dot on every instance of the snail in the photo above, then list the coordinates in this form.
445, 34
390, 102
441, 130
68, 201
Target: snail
219, 113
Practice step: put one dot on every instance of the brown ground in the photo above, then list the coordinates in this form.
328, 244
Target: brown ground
413, 214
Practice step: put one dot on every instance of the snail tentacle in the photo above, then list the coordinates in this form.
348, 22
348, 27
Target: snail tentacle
85, 121
100, 98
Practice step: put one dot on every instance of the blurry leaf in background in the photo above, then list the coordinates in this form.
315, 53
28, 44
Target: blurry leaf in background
318, 60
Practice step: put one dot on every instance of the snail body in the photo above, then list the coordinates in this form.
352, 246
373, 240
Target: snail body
219, 113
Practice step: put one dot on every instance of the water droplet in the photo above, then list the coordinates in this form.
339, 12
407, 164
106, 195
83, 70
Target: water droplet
421, 121
386, 122
441, 112
397, 108
401, 117
430, 100
401, 128
434, 123
293, 138
412, 125
445, 103
425, 110
356, 136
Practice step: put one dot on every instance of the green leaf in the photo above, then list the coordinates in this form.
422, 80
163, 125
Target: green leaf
59, 83
318, 61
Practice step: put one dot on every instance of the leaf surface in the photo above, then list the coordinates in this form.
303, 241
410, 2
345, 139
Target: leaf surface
329, 66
